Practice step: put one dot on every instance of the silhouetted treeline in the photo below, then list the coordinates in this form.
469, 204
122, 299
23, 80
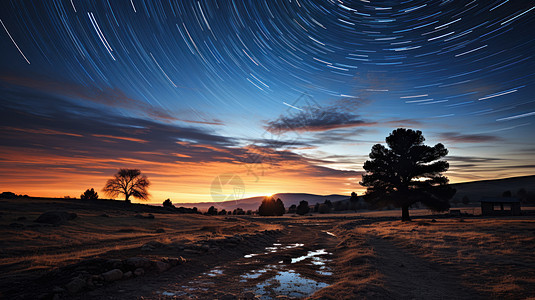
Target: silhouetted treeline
271, 207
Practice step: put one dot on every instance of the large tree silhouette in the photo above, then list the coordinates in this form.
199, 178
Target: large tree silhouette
129, 182
407, 172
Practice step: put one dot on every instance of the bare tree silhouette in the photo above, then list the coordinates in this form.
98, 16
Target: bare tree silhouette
129, 182
407, 172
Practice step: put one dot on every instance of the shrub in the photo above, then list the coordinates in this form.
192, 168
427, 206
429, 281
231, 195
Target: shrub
303, 208
168, 203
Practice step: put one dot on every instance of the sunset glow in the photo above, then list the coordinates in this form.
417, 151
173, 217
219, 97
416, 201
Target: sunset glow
288, 96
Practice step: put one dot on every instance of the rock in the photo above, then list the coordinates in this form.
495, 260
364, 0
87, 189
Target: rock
113, 275
160, 230
105, 215
58, 290
114, 264
139, 272
161, 266
138, 262
175, 261
16, 225
21, 218
56, 297
128, 275
55, 217
149, 216
228, 297
205, 247
76, 285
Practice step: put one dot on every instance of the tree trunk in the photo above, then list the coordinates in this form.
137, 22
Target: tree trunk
126, 196
405, 213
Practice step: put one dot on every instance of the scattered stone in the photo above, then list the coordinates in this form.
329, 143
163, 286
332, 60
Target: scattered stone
76, 285
55, 217
138, 262
58, 290
174, 261
139, 272
160, 230
105, 215
161, 266
114, 264
113, 275
128, 275
434, 221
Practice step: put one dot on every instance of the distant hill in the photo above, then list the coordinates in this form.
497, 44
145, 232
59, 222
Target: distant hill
253, 202
475, 190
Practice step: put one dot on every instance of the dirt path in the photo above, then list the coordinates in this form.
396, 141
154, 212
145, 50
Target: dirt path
410, 277
296, 263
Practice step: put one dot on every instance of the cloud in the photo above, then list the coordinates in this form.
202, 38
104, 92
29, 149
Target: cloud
109, 96
314, 119
457, 137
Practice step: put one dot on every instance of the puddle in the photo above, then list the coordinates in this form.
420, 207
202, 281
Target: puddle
288, 283
274, 248
214, 272
268, 281
310, 254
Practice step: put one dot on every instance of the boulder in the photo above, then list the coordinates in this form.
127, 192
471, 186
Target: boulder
113, 275
139, 272
55, 217
75, 285
161, 266
128, 275
174, 261
138, 262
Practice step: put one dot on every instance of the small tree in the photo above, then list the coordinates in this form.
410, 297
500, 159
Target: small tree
507, 194
354, 201
89, 194
324, 209
303, 208
271, 207
407, 172
168, 203
212, 211
292, 209
130, 183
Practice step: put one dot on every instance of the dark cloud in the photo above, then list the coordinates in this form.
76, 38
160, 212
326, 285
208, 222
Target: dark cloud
314, 119
87, 140
108, 96
457, 137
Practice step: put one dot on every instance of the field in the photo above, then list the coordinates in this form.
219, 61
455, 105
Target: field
336, 256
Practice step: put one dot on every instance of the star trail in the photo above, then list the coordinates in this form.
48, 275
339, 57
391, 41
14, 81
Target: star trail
186, 89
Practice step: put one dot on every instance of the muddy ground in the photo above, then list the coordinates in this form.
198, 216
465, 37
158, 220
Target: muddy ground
342, 256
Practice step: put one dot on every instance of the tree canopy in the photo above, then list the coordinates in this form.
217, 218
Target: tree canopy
407, 172
130, 183
89, 194
271, 207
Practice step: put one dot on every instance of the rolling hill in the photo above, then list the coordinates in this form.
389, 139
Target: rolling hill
253, 202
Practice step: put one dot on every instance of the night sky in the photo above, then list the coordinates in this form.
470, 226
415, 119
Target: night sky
288, 95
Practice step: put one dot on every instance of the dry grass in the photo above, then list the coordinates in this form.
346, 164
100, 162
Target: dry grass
31, 249
494, 256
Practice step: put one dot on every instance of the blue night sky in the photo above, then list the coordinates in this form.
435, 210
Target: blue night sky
289, 95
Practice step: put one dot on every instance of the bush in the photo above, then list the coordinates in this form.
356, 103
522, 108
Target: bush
292, 209
303, 208
324, 209
168, 203
212, 211
89, 194
271, 207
